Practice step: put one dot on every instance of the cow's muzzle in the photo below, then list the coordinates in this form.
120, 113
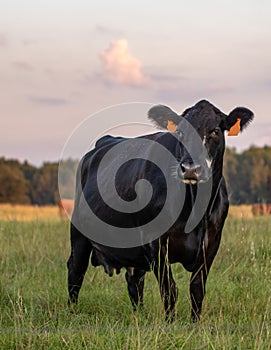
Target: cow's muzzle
190, 173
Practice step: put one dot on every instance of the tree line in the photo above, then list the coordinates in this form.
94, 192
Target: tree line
248, 175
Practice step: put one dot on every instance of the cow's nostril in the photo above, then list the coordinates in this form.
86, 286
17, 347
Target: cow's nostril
198, 169
190, 170
183, 168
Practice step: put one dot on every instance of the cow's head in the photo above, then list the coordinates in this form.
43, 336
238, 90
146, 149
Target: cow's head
205, 140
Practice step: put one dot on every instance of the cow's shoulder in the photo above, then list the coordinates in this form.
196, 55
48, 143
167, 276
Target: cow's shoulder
107, 140
101, 146
160, 137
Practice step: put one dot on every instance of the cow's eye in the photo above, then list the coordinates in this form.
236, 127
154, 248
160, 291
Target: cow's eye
215, 132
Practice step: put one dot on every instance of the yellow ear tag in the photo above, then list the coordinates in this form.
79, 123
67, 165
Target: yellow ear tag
235, 129
171, 126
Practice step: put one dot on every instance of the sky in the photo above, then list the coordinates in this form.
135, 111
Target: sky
63, 61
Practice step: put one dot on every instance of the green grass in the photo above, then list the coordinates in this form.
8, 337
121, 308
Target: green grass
33, 296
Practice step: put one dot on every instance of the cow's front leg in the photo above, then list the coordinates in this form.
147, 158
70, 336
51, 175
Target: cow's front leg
135, 283
168, 289
197, 292
199, 278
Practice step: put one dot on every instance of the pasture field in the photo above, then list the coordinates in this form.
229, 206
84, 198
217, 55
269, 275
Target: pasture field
17, 212
33, 295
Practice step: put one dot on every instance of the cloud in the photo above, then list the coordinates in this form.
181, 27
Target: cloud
120, 66
167, 78
28, 42
3, 40
23, 65
48, 101
104, 30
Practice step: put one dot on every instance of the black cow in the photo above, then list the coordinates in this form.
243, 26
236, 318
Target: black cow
195, 249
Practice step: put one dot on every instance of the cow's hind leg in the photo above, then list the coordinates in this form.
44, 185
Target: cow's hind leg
135, 284
77, 263
168, 289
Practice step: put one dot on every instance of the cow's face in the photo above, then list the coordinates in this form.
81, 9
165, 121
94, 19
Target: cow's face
200, 131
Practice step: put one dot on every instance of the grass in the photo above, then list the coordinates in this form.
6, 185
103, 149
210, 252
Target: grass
33, 296
17, 212
241, 211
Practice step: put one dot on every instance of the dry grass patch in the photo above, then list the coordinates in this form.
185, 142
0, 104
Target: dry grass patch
241, 211
9, 212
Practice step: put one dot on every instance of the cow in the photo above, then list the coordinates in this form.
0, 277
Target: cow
195, 247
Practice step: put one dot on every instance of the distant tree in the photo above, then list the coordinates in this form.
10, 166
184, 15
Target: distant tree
29, 172
231, 169
14, 188
44, 186
67, 172
248, 175
257, 164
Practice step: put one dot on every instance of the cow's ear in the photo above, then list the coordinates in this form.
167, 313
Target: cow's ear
164, 117
238, 120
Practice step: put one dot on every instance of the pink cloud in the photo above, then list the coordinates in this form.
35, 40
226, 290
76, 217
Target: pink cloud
3, 40
23, 65
120, 66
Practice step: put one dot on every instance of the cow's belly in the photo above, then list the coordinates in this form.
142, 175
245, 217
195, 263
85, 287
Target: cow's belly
185, 249
117, 258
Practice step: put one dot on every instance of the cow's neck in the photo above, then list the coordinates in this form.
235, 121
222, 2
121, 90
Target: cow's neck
217, 179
